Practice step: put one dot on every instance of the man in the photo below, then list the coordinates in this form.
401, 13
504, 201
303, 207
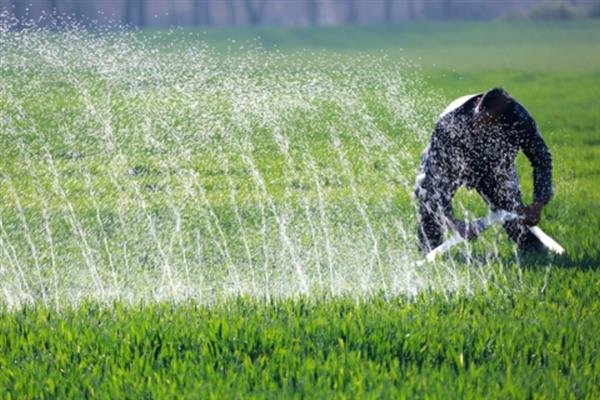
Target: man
474, 144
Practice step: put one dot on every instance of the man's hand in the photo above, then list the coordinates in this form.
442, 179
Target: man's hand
466, 230
533, 213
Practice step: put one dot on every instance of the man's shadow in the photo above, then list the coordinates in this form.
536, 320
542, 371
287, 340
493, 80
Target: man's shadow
585, 262
534, 260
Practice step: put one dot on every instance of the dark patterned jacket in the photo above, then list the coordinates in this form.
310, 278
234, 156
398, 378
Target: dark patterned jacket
464, 154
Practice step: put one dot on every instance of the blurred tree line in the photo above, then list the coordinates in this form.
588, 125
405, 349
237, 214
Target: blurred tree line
155, 13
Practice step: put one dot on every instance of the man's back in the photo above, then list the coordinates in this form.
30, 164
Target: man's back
466, 152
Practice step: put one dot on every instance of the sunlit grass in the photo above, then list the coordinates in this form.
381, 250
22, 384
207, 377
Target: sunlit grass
180, 220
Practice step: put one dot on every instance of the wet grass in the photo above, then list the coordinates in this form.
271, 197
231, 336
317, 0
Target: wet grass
536, 343
519, 328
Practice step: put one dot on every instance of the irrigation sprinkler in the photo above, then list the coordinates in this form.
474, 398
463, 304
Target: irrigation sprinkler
546, 240
482, 224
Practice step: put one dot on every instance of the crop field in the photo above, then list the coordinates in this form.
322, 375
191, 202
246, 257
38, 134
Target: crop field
229, 214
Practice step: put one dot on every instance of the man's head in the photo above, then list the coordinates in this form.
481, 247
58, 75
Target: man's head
492, 105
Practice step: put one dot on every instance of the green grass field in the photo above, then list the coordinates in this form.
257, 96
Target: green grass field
185, 214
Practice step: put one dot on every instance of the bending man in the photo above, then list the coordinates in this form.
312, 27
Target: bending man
475, 144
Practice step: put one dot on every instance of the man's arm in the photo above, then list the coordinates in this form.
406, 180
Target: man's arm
539, 156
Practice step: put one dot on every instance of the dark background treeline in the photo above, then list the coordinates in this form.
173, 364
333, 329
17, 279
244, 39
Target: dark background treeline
160, 13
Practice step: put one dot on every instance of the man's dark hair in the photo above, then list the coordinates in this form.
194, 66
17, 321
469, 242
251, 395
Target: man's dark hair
495, 101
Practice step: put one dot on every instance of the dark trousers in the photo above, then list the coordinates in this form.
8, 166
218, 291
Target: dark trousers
500, 194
